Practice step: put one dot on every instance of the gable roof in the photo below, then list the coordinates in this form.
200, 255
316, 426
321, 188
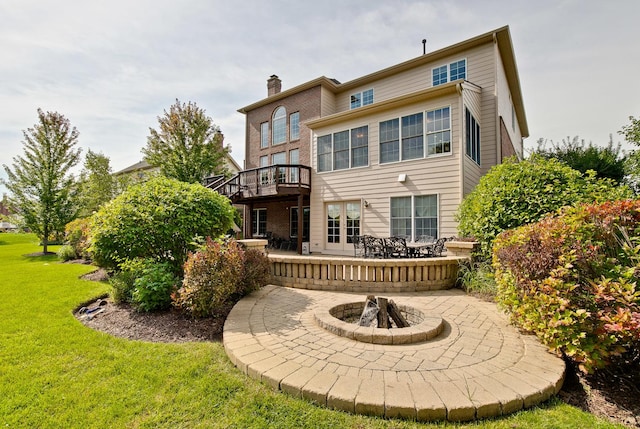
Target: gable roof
501, 36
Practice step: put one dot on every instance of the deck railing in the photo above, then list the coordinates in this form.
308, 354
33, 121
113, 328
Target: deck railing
265, 181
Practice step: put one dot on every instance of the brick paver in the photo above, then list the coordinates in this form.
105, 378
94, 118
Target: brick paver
479, 366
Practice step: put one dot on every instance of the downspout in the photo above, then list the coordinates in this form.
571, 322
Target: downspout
461, 176
498, 133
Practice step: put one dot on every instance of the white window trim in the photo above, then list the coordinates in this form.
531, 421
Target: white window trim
267, 135
290, 125
285, 117
448, 64
425, 149
413, 232
360, 94
333, 170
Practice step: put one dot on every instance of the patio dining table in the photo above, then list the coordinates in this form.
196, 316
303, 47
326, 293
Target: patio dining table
419, 249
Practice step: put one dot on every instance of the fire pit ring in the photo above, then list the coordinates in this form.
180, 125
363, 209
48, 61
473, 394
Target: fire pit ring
342, 320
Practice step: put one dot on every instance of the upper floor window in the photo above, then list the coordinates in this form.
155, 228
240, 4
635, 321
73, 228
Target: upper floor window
264, 134
294, 158
362, 98
344, 149
360, 146
325, 148
439, 75
448, 73
403, 139
279, 126
412, 136
438, 131
472, 137
294, 126
389, 141
458, 70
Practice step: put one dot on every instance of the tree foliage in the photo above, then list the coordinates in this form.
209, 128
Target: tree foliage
187, 145
97, 185
161, 219
607, 162
42, 188
631, 132
518, 193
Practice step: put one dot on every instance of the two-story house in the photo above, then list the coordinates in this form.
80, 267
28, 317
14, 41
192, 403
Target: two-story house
393, 152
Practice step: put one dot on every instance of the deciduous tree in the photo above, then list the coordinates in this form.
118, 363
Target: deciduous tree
607, 161
631, 132
187, 146
41, 185
96, 183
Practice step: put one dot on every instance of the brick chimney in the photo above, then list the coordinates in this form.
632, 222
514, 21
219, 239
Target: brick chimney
274, 85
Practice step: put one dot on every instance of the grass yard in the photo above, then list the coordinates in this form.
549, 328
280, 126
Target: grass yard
57, 373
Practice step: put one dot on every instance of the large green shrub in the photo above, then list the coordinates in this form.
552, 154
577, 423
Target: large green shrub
219, 275
152, 288
160, 219
572, 280
517, 193
144, 283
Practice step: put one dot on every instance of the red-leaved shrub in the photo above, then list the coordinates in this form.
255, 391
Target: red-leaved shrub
572, 279
219, 275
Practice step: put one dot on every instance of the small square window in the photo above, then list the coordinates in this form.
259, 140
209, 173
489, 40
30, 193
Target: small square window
356, 101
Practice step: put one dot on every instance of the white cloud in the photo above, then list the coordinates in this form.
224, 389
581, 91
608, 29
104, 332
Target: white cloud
112, 67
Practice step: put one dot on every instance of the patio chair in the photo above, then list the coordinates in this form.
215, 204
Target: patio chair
396, 247
359, 248
374, 247
438, 248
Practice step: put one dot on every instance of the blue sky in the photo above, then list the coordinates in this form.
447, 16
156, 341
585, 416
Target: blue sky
113, 67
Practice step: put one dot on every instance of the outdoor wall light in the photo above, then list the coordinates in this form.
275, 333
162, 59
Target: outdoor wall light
366, 204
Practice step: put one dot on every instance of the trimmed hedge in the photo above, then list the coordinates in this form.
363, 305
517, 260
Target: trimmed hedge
162, 219
516, 193
572, 279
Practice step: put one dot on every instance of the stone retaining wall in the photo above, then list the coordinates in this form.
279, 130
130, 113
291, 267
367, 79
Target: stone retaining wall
350, 274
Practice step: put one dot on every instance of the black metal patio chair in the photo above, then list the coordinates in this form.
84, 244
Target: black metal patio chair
396, 247
374, 247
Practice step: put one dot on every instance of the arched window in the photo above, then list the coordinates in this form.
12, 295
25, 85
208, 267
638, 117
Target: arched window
279, 126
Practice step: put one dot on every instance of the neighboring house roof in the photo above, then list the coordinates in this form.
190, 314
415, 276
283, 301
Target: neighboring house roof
142, 165
232, 164
501, 36
145, 166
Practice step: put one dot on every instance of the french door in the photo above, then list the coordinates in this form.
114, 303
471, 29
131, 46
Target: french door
343, 220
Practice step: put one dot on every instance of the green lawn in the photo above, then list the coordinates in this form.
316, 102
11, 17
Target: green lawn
55, 372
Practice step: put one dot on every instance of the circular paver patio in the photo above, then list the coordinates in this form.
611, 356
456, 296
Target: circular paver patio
479, 366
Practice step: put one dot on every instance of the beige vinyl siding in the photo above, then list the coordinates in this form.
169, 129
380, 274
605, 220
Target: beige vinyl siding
327, 102
472, 171
439, 175
390, 87
505, 105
